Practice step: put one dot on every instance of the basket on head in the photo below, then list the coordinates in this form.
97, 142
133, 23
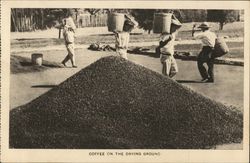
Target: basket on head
115, 22
162, 22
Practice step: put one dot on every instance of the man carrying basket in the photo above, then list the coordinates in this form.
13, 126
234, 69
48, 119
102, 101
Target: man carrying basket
122, 38
68, 35
166, 49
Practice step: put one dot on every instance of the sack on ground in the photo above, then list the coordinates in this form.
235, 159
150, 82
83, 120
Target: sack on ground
220, 48
94, 46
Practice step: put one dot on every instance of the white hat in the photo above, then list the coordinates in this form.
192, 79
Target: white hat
204, 25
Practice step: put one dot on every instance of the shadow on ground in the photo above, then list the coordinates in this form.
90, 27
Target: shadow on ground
189, 81
111, 34
44, 86
141, 51
24, 65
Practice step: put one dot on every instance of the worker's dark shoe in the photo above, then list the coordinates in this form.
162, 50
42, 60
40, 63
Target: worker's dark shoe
210, 80
204, 80
64, 64
74, 66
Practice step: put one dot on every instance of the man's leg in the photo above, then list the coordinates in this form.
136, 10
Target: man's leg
210, 65
174, 67
123, 53
201, 67
66, 59
72, 54
72, 59
164, 70
168, 65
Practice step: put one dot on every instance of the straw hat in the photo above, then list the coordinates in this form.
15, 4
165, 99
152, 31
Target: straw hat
204, 25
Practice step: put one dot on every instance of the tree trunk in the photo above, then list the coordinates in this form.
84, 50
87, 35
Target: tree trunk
59, 32
221, 25
42, 21
14, 17
76, 19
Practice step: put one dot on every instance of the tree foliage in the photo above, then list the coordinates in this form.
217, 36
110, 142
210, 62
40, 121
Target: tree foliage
92, 11
28, 19
194, 15
144, 17
222, 16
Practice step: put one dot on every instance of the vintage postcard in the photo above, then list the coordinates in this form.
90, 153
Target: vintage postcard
125, 81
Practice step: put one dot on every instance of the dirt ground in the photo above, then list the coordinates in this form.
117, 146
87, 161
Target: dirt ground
228, 87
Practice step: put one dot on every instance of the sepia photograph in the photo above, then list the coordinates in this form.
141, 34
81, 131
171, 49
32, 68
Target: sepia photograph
121, 81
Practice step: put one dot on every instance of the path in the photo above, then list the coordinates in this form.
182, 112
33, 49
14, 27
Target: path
54, 33
139, 44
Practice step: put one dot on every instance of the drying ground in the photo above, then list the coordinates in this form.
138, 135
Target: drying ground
25, 86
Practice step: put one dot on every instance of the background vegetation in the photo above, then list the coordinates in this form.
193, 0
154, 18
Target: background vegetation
31, 19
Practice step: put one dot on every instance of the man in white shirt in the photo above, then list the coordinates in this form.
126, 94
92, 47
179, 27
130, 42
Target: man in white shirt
69, 29
205, 56
68, 35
